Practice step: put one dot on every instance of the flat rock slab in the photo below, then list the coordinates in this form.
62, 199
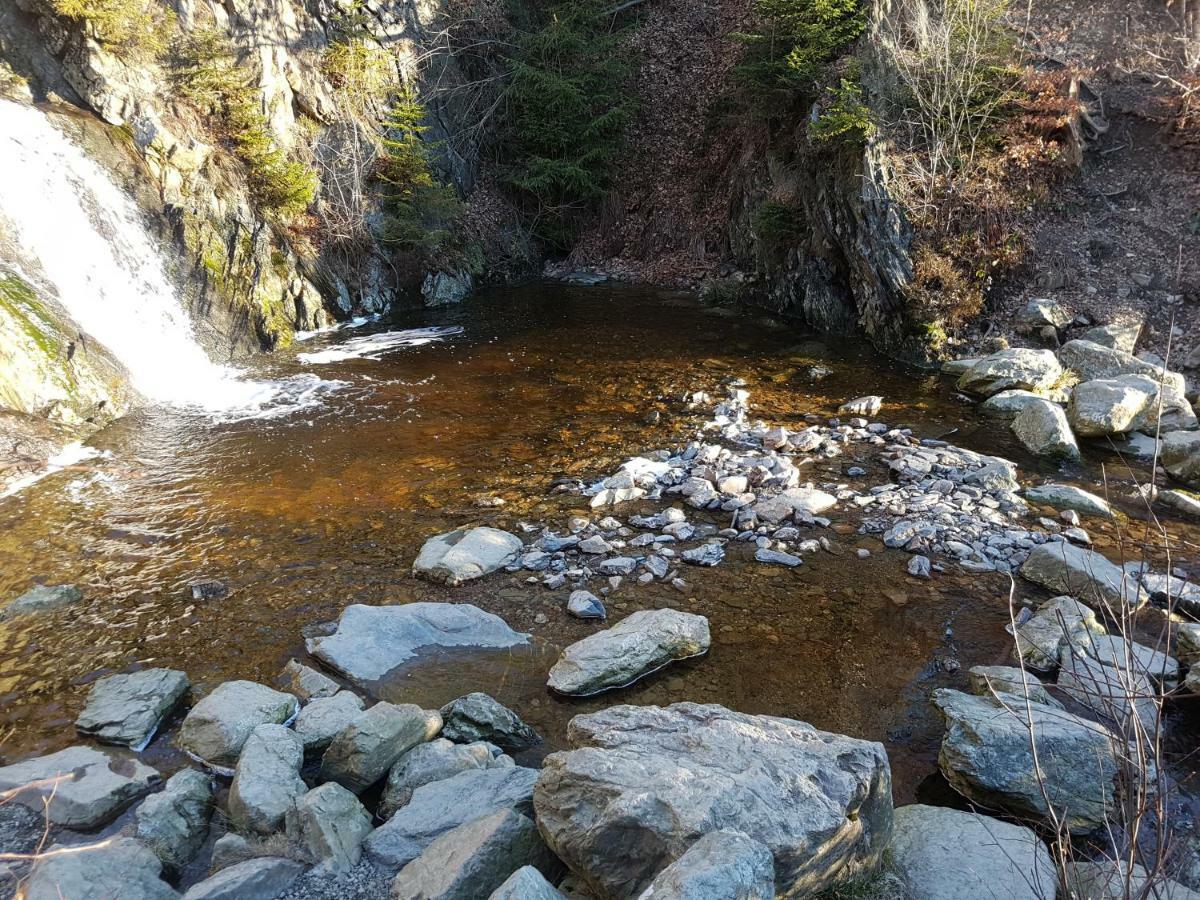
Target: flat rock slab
218, 726
465, 554
636, 646
121, 868
40, 599
127, 709
651, 781
723, 863
478, 717
262, 878
1085, 574
87, 786
371, 641
947, 854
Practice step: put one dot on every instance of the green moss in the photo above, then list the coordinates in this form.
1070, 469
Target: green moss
20, 300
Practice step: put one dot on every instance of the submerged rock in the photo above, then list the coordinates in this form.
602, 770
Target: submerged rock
218, 726
1043, 428
435, 761
365, 749
723, 863
267, 779
371, 641
653, 780
478, 717
174, 822
466, 554
127, 709
120, 867
636, 646
41, 598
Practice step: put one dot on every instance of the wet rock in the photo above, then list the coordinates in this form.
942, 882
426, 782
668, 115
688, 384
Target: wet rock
478, 717
1184, 501
988, 680
1059, 622
174, 822
586, 605
267, 779
365, 749
654, 780
121, 868
217, 727
41, 598
1116, 336
1066, 496
1007, 404
1108, 406
86, 787
474, 859
330, 824
440, 806
1082, 573
323, 719
722, 863
1181, 456
636, 646
435, 761
370, 641
261, 878
919, 567
127, 709
307, 683
1030, 370
948, 854
786, 505
986, 756
710, 554
527, 883
465, 554
1043, 428
1091, 361
210, 589
862, 406
777, 558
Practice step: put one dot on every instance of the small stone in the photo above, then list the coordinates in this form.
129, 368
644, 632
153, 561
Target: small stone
863, 552
306, 683
208, 590
777, 558
722, 863
705, 555
919, 566
585, 605
465, 554
862, 406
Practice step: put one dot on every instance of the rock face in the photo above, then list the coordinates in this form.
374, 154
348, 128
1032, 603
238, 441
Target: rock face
370, 641
723, 863
366, 748
261, 878
435, 761
127, 709
986, 757
637, 645
946, 854
41, 598
651, 781
1020, 369
86, 787
1091, 361
466, 554
1063, 567
1043, 428
477, 717
267, 779
440, 806
174, 822
1181, 456
123, 868
331, 825
321, 720
527, 883
1111, 405
474, 859
217, 727
1067, 496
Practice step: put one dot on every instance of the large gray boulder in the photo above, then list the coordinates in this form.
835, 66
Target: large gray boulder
41, 598
364, 750
371, 641
120, 867
1063, 567
466, 554
636, 646
127, 709
1008, 404
947, 854
478, 717
174, 822
1180, 456
1016, 368
474, 859
86, 787
527, 883
321, 720
439, 806
986, 756
330, 824
437, 760
1090, 361
1067, 496
267, 779
1107, 406
261, 878
722, 864
803, 501
1059, 622
645, 783
217, 727
1043, 428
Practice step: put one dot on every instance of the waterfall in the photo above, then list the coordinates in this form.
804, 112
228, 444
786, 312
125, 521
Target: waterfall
65, 212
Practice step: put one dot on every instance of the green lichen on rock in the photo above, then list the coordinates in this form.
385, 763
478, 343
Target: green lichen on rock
20, 301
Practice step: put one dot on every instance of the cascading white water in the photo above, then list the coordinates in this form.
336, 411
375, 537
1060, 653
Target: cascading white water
64, 211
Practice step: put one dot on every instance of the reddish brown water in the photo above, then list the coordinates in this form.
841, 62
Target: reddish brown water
303, 515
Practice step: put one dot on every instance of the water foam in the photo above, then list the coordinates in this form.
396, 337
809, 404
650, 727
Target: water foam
374, 346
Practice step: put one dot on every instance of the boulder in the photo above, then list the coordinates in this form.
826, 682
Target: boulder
1106, 406
1028, 370
527, 883
474, 859
86, 787
1181, 456
862, 406
217, 727
636, 646
478, 717
806, 502
1114, 693
989, 680
306, 683
330, 824
1089, 361
722, 863
440, 806
324, 718
371, 641
1116, 336
118, 867
127, 709
227, 850
986, 756
1039, 313
267, 779
947, 854
261, 878
1066, 496
1008, 404
466, 554
1067, 569
958, 366
645, 783
1118, 652
365, 749
1059, 622
174, 822
41, 598
1109, 880
446, 288
1183, 501
437, 760
1043, 428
